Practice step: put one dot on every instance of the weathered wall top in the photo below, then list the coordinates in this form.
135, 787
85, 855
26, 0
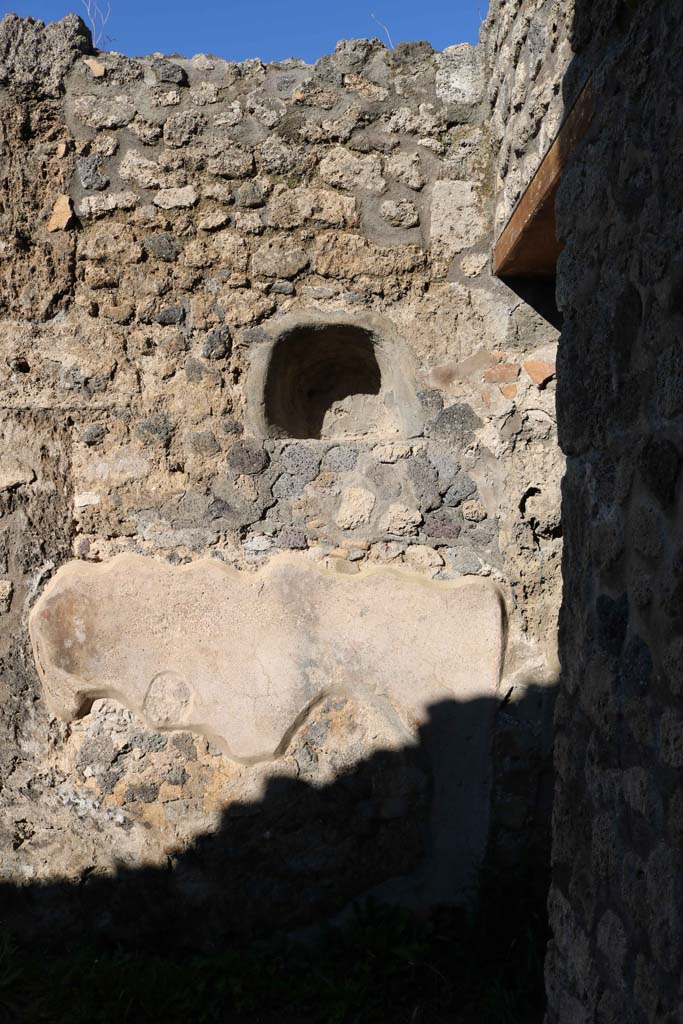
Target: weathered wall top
35, 58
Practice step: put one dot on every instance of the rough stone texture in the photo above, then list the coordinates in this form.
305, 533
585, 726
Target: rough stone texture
529, 50
616, 901
35, 58
221, 212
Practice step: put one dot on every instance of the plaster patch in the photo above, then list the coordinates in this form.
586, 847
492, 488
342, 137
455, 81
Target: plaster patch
241, 657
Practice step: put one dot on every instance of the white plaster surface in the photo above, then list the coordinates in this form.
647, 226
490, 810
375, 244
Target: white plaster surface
242, 656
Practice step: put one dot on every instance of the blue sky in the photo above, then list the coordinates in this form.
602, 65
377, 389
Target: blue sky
269, 29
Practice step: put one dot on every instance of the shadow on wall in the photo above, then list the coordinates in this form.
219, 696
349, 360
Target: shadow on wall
538, 293
617, 855
237, 927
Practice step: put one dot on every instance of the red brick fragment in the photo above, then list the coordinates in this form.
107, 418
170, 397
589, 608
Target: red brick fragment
540, 371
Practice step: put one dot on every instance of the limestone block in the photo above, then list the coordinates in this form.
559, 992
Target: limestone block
6, 589
279, 258
343, 169
457, 219
38, 56
460, 75
181, 128
211, 220
97, 206
204, 93
140, 171
400, 214
356, 508
97, 112
232, 162
400, 520
290, 208
423, 558
174, 198
339, 254
111, 243
406, 167
165, 97
242, 657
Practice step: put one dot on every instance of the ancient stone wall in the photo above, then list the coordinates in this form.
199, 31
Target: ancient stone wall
616, 897
528, 50
247, 311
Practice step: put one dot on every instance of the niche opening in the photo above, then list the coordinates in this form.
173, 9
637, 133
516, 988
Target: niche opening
324, 381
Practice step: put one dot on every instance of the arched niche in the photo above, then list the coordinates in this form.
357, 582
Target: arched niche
328, 378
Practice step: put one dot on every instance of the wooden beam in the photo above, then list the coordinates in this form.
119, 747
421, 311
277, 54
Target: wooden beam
528, 245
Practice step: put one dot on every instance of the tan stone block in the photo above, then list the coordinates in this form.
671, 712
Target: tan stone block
249, 222
406, 168
400, 213
355, 509
95, 67
460, 77
244, 306
61, 215
174, 198
473, 264
97, 112
346, 255
400, 520
294, 207
392, 452
141, 171
98, 206
211, 220
204, 93
423, 558
474, 511
113, 244
343, 169
364, 87
279, 257
339, 553
165, 98
457, 217
232, 162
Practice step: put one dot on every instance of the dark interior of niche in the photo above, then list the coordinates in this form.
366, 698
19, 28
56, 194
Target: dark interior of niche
314, 368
